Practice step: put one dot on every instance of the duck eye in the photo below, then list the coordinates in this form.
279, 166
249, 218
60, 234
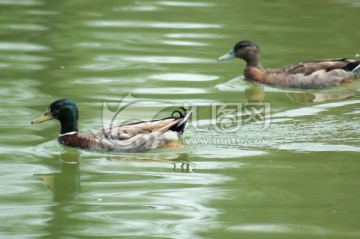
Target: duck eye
47, 112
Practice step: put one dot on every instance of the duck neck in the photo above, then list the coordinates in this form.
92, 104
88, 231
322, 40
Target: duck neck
254, 61
69, 123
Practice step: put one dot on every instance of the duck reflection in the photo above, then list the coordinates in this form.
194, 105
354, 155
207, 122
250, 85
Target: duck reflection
320, 96
256, 93
184, 167
180, 161
64, 185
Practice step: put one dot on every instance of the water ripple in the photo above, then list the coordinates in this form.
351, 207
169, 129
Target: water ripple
319, 147
184, 43
307, 231
106, 62
237, 84
142, 8
170, 90
140, 24
11, 46
165, 59
183, 77
24, 27
186, 4
194, 35
184, 207
28, 58
20, 91
313, 110
21, 2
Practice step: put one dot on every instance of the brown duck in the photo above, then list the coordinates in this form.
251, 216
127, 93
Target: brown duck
305, 75
131, 137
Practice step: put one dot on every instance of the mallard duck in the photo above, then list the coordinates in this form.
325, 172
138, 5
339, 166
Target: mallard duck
130, 137
305, 75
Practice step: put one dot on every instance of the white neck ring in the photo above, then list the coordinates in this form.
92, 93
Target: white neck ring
68, 133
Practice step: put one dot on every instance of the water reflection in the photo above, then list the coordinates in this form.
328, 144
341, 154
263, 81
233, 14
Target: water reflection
58, 226
161, 45
64, 185
179, 160
256, 93
135, 193
317, 97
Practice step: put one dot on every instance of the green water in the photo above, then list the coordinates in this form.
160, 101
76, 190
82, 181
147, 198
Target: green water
290, 172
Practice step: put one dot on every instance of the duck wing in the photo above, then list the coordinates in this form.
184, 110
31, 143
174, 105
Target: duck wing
309, 67
140, 136
128, 131
312, 74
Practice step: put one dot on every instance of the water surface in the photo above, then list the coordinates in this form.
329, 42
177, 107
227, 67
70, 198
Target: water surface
290, 172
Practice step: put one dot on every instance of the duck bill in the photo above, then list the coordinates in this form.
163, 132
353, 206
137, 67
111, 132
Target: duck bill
227, 56
45, 117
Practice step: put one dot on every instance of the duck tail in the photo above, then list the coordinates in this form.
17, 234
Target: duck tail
353, 67
356, 70
182, 120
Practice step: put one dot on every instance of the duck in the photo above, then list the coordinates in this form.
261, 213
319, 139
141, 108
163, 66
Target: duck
129, 137
312, 74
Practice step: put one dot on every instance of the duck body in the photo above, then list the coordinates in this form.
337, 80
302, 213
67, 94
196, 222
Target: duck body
131, 137
305, 75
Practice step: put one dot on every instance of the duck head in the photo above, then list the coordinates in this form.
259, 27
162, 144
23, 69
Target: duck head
65, 111
246, 50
